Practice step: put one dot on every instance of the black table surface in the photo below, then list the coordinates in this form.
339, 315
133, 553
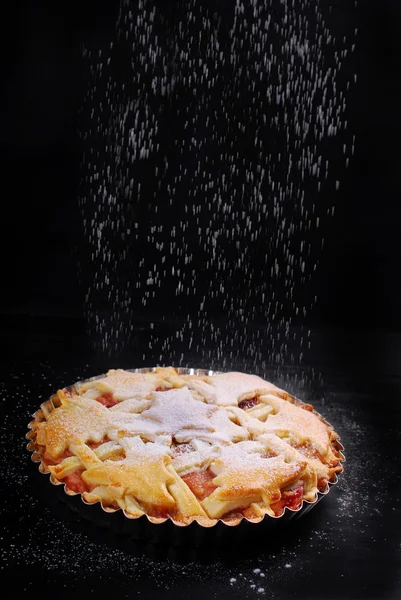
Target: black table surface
347, 546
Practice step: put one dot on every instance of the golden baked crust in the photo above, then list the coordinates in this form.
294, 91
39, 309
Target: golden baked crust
187, 447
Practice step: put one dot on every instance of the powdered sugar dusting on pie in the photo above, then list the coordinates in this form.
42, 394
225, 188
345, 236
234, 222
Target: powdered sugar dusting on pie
244, 474
302, 426
74, 423
187, 447
124, 385
227, 389
176, 413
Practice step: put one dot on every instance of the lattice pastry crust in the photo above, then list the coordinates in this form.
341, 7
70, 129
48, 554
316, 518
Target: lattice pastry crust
186, 447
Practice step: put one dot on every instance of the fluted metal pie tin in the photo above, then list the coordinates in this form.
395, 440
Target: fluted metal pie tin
149, 529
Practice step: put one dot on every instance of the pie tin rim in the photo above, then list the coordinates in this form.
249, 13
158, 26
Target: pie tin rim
287, 514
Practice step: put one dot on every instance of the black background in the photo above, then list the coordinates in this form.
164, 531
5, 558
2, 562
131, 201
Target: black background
346, 547
357, 282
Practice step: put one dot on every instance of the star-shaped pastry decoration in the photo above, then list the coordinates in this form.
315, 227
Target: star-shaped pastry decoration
124, 385
74, 423
142, 474
176, 413
176, 410
242, 474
